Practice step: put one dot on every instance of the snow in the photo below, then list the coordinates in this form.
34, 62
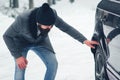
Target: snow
75, 60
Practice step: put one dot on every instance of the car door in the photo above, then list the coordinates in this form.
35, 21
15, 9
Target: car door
107, 30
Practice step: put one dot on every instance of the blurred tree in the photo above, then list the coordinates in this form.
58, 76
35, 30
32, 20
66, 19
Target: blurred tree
14, 3
51, 2
54, 1
31, 4
72, 1
10, 4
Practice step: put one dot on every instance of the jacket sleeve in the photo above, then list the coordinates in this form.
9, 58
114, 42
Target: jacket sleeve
9, 36
113, 33
62, 25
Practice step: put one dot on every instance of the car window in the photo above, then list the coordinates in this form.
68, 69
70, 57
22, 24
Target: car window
112, 20
111, 6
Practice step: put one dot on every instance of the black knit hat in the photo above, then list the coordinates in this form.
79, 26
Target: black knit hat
45, 15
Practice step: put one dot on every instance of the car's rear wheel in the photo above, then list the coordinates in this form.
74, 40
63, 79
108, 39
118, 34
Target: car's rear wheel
100, 65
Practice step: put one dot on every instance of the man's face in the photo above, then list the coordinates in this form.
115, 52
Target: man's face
44, 26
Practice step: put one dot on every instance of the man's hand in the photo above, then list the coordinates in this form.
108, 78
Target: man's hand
108, 40
90, 43
21, 62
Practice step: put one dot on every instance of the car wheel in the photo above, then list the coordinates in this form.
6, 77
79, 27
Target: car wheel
100, 65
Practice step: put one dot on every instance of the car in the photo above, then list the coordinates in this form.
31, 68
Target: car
107, 33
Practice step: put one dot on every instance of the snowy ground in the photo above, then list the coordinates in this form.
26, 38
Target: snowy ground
75, 59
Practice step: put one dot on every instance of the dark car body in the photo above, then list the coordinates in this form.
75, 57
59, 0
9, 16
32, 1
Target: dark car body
107, 33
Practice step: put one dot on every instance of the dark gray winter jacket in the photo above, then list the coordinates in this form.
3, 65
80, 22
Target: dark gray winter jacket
18, 36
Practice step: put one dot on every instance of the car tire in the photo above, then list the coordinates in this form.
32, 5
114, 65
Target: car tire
100, 65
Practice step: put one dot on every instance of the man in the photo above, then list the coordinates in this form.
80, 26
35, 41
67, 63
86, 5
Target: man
30, 32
